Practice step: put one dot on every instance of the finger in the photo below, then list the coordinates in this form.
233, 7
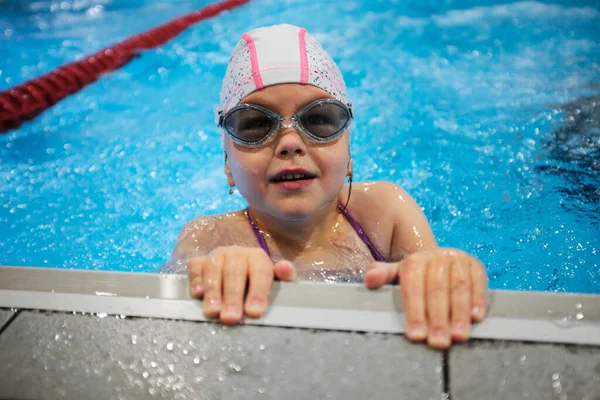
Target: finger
284, 271
461, 300
479, 287
438, 302
412, 288
195, 276
235, 276
380, 273
212, 281
260, 273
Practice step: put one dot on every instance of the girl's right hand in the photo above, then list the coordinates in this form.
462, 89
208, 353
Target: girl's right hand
220, 278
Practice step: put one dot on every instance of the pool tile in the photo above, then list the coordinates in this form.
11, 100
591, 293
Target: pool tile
515, 370
84, 356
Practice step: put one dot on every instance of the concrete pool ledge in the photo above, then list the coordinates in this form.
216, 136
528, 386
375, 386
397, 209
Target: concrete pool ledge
522, 316
71, 334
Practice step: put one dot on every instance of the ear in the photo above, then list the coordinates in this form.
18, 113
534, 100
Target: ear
227, 171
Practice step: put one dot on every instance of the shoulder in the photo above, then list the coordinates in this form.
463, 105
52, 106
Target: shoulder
390, 216
385, 197
374, 205
204, 233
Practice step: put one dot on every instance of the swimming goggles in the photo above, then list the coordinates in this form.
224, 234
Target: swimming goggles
251, 125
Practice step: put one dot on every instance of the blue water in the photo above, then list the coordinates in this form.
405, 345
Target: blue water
460, 102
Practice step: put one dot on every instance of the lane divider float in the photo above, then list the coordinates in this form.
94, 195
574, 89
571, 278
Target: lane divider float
25, 101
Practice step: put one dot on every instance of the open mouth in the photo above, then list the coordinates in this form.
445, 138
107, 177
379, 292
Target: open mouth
291, 177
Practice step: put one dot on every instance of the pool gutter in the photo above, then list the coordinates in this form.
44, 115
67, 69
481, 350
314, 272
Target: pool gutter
513, 316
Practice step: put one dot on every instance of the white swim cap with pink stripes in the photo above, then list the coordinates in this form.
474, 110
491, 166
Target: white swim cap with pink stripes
278, 54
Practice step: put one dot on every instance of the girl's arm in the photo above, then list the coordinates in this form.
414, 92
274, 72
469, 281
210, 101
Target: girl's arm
443, 290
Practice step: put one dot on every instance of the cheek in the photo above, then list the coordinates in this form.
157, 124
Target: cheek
334, 163
248, 172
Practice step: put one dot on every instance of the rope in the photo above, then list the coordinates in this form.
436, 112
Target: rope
25, 101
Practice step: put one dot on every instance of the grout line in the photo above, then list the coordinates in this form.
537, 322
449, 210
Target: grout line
446, 374
9, 321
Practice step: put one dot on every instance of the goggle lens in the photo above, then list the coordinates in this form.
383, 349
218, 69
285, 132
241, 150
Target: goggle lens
252, 125
325, 120
249, 125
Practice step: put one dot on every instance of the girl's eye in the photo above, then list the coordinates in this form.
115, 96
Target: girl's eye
249, 125
255, 122
315, 119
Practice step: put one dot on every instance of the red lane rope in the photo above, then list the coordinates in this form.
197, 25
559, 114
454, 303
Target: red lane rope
25, 101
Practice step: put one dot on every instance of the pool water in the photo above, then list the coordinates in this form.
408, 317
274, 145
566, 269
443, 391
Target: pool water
486, 112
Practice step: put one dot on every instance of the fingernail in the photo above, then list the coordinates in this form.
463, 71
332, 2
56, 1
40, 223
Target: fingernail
418, 330
197, 289
255, 304
459, 327
231, 309
439, 333
477, 311
213, 302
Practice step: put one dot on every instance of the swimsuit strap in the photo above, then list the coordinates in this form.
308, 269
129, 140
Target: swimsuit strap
259, 237
353, 222
361, 234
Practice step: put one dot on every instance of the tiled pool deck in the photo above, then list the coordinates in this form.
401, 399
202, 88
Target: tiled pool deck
105, 335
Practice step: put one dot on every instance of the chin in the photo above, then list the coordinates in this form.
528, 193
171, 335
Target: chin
294, 213
297, 209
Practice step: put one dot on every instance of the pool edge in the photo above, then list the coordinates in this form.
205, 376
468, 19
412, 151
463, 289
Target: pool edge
513, 316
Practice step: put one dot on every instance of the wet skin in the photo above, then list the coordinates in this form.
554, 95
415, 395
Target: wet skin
443, 290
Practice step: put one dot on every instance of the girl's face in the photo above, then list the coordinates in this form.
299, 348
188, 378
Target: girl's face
258, 173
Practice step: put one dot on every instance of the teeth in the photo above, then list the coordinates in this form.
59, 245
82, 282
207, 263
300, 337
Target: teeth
289, 177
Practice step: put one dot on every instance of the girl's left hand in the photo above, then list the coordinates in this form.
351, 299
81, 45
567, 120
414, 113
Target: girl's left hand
443, 291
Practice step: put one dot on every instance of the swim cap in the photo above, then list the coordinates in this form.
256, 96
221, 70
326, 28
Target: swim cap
278, 54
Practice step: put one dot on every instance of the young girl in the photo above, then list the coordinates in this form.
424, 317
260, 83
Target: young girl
285, 123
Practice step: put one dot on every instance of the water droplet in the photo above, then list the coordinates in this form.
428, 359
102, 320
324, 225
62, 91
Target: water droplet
235, 367
564, 321
578, 306
579, 316
261, 390
102, 315
262, 347
556, 384
170, 346
145, 374
196, 360
523, 358
555, 376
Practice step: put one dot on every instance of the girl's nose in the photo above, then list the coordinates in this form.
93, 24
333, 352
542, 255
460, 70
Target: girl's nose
290, 143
